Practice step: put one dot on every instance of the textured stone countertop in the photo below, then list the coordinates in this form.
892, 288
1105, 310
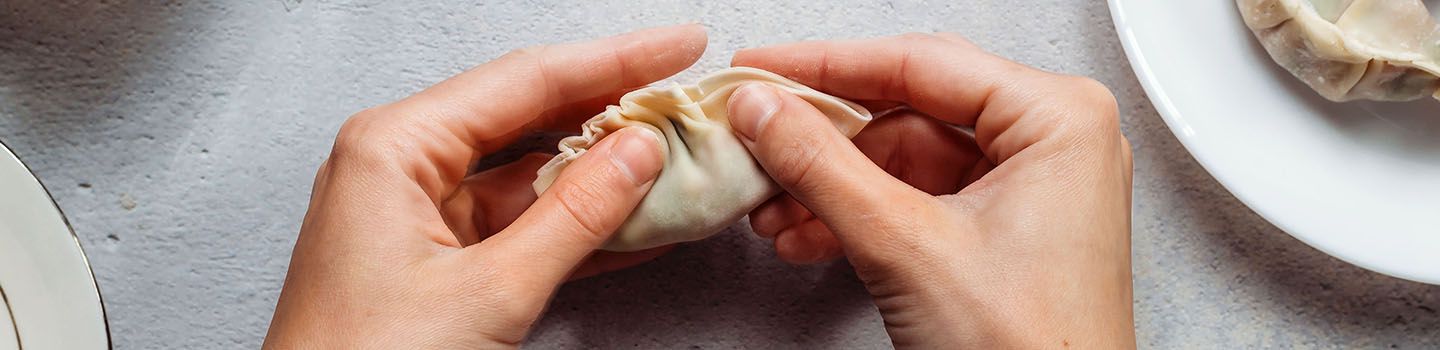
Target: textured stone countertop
181, 140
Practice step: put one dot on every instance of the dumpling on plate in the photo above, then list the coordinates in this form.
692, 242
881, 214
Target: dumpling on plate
709, 179
1383, 50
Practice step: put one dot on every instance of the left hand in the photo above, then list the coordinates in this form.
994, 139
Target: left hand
404, 248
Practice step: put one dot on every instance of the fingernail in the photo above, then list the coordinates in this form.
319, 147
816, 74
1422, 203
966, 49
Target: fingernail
637, 154
751, 108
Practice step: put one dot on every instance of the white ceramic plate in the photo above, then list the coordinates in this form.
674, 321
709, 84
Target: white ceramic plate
50, 297
1360, 181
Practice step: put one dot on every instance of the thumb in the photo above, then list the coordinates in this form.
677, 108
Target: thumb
580, 211
804, 152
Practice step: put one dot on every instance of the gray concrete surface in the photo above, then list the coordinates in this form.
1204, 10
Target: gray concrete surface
181, 139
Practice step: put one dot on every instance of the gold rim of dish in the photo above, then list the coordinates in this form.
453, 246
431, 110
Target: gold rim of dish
84, 258
11, 314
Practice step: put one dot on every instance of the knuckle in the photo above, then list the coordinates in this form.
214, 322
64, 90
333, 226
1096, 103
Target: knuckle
529, 52
925, 41
940, 43
1094, 93
359, 136
359, 124
918, 37
585, 204
795, 159
954, 38
1100, 109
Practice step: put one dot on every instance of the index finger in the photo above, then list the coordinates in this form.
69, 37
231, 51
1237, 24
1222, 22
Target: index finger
434, 136
945, 77
949, 78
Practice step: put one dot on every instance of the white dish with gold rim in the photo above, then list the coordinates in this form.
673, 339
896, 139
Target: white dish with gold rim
1359, 181
50, 299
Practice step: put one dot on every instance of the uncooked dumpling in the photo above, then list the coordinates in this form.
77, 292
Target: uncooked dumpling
1383, 50
709, 179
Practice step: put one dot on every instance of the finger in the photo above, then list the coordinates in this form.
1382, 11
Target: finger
923, 152
932, 156
952, 79
579, 212
568, 118
798, 236
434, 136
777, 214
808, 242
488, 201
603, 261
808, 157
915, 69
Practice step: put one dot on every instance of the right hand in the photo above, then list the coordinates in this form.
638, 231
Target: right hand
1016, 237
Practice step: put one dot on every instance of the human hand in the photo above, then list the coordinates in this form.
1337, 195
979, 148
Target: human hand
403, 248
1016, 237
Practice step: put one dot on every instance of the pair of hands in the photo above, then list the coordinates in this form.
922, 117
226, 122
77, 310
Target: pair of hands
1016, 236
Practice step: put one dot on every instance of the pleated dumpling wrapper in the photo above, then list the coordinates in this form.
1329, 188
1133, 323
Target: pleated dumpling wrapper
1382, 50
709, 179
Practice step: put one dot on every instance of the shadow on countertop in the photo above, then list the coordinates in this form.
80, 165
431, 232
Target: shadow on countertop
78, 71
684, 295
59, 54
